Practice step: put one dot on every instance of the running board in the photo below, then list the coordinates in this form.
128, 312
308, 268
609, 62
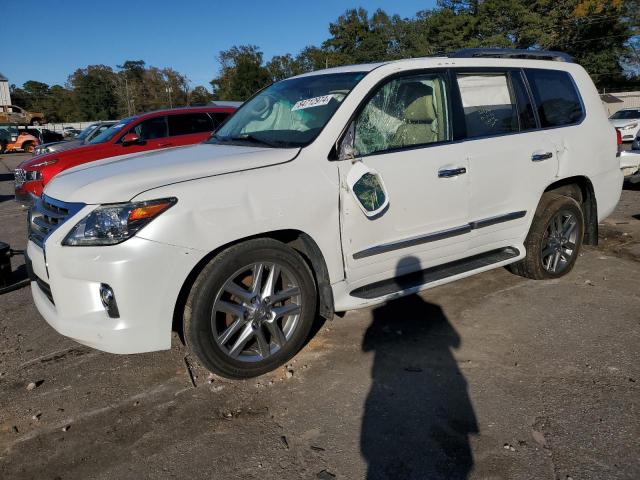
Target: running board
433, 274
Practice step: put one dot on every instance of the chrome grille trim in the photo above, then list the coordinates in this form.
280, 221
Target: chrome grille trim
46, 215
20, 177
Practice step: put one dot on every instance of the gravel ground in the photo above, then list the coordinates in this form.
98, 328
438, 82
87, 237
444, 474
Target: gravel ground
492, 377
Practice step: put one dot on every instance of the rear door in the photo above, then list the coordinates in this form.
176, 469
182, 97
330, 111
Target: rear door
510, 160
189, 128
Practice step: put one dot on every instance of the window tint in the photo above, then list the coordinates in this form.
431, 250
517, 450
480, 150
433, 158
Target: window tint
556, 97
187, 123
403, 112
219, 118
525, 107
489, 107
155, 127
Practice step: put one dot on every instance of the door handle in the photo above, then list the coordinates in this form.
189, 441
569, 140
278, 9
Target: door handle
451, 172
539, 157
162, 145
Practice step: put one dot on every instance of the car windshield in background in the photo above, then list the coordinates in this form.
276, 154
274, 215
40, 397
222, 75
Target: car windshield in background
290, 113
112, 131
626, 115
85, 133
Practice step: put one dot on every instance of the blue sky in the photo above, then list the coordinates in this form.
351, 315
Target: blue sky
63, 35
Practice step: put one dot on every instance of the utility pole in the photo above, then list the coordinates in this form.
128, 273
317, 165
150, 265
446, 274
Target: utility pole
168, 89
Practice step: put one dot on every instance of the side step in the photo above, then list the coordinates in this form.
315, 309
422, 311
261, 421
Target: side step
433, 274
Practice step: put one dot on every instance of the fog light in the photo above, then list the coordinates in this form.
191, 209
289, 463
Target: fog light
108, 299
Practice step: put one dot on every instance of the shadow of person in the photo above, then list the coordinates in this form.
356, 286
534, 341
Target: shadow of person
418, 415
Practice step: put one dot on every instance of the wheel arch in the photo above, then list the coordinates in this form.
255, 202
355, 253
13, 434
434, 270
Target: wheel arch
300, 241
587, 200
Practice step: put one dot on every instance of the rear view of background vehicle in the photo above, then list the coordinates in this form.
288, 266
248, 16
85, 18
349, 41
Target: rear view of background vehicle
15, 139
627, 121
149, 131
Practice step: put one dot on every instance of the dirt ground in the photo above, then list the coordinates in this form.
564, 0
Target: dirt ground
492, 377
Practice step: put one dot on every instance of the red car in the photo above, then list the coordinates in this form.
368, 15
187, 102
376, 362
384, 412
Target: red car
149, 131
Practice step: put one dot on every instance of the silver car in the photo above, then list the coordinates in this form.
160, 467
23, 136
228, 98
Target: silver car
82, 138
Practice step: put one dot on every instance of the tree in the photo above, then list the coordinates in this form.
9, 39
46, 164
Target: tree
242, 73
94, 91
199, 96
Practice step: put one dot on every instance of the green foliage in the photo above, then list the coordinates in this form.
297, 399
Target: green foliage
242, 73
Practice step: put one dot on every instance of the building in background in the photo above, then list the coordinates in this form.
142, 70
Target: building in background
5, 98
619, 100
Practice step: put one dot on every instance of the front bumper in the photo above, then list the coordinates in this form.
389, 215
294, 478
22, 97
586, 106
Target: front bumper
629, 162
146, 277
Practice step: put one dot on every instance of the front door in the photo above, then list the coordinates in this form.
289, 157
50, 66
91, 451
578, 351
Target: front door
403, 136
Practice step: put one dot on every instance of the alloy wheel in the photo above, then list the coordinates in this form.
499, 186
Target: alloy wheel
256, 311
559, 242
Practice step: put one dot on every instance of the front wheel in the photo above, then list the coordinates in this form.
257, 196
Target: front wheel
250, 309
554, 240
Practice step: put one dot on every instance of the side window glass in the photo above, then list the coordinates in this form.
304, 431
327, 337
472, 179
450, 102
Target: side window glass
556, 98
219, 118
186, 124
525, 108
404, 112
489, 108
151, 128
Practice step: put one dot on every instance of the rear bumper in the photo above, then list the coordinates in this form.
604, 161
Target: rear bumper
146, 277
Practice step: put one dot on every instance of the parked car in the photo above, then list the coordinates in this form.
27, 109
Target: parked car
627, 121
15, 114
636, 142
71, 132
329, 191
149, 131
84, 137
44, 135
629, 163
13, 139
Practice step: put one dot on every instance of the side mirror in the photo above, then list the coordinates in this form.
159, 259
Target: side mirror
368, 189
131, 139
346, 149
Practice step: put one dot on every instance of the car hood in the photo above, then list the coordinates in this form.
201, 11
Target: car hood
621, 122
119, 179
64, 156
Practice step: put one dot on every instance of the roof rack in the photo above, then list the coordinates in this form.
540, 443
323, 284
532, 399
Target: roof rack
512, 53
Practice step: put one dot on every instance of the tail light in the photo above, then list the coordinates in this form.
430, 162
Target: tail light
619, 135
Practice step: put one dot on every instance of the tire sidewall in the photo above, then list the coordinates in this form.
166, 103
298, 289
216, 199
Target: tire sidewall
198, 330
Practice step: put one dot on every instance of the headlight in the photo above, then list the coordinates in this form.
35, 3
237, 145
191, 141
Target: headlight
115, 223
633, 125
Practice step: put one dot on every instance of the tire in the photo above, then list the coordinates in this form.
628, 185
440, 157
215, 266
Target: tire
35, 122
552, 251
28, 147
222, 310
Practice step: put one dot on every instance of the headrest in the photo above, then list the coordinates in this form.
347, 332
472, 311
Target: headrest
417, 99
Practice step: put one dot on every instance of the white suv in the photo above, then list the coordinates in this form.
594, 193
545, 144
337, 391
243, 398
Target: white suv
326, 192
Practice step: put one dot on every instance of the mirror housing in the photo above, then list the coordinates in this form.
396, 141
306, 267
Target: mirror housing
367, 187
131, 139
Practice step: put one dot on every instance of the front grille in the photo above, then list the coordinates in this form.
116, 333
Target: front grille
46, 215
46, 289
20, 177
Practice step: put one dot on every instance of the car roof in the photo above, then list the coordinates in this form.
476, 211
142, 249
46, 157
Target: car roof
169, 111
441, 62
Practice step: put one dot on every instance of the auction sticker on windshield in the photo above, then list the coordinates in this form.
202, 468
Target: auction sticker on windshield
312, 102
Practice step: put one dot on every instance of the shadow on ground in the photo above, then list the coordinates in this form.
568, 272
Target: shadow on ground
418, 415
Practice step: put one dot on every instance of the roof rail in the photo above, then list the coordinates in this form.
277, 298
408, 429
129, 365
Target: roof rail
512, 53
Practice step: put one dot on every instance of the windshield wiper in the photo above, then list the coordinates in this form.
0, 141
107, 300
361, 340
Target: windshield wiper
247, 137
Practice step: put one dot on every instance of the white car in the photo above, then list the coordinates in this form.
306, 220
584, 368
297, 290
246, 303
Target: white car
329, 191
627, 121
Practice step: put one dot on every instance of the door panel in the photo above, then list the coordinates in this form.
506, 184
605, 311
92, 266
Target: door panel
403, 134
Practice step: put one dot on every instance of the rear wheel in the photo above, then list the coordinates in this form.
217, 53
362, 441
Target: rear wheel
250, 309
28, 147
554, 240
35, 122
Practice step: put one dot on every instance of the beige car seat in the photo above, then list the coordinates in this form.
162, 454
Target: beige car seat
419, 114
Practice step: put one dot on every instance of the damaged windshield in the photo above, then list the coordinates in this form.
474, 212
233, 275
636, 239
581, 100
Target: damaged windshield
290, 113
